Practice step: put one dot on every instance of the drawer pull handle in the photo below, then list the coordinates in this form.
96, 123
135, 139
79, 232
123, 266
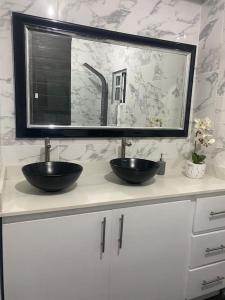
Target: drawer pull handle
103, 235
221, 247
120, 240
215, 213
218, 279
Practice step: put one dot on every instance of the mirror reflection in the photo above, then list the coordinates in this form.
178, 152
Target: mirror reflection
78, 81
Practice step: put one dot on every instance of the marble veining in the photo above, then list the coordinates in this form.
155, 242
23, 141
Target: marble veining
205, 93
210, 38
210, 85
211, 9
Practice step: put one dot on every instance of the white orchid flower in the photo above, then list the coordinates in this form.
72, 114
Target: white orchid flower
207, 123
202, 137
211, 141
197, 123
204, 124
202, 134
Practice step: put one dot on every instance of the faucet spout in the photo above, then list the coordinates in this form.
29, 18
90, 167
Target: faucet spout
47, 149
124, 143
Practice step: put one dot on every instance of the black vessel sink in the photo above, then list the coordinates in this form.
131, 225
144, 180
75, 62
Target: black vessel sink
134, 170
52, 176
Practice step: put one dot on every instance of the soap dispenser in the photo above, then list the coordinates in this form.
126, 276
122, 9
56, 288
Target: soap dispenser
162, 166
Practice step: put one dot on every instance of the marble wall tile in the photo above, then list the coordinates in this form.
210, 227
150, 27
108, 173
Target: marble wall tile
220, 122
205, 93
210, 45
152, 148
172, 20
219, 158
166, 19
210, 84
220, 110
7, 107
208, 60
22, 154
210, 10
78, 150
92, 149
8, 134
219, 136
211, 35
41, 8
221, 81
102, 149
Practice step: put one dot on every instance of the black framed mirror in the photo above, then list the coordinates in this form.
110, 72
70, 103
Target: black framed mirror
78, 81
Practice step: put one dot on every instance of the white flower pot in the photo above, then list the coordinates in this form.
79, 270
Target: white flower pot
195, 171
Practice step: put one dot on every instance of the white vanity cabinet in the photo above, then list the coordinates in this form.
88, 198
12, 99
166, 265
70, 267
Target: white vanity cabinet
145, 255
57, 258
152, 262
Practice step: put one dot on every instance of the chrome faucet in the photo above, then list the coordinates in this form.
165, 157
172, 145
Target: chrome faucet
47, 149
124, 143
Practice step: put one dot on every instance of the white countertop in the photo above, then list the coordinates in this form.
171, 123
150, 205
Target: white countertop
98, 186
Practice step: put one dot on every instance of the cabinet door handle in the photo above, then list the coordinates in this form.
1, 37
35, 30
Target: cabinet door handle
216, 213
208, 250
216, 280
120, 240
103, 235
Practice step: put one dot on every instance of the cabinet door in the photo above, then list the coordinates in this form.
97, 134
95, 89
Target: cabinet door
152, 260
57, 258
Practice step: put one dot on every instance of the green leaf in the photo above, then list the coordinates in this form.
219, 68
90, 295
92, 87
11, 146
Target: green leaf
201, 158
198, 158
195, 158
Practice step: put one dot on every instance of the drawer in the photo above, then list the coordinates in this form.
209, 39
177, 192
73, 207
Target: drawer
209, 214
207, 248
205, 280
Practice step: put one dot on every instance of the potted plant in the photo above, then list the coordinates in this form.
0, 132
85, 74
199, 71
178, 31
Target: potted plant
202, 138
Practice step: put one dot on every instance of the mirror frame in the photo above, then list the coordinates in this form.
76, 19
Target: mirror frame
20, 21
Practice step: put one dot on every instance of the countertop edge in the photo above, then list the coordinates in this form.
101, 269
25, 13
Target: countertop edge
118, 203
